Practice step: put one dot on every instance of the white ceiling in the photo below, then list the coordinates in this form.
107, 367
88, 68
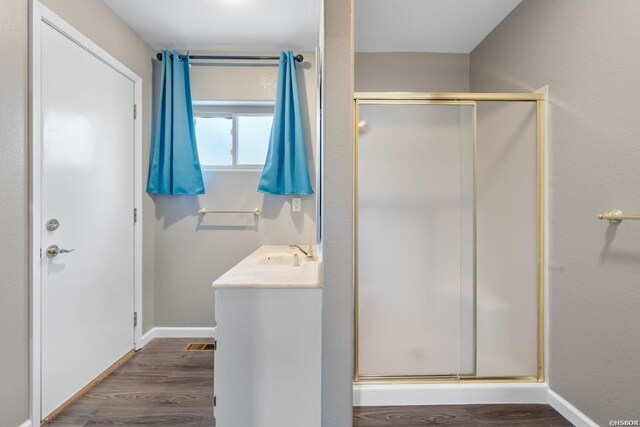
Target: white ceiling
456, 26
223, 25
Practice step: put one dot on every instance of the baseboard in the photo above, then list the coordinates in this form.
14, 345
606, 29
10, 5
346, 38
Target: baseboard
448, 394
146, 338
177, 332
569, 411
26, 424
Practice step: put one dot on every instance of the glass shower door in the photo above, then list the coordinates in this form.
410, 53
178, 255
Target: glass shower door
415, 276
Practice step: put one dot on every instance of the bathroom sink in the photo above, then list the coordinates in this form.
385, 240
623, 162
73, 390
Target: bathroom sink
274, 266
285, 259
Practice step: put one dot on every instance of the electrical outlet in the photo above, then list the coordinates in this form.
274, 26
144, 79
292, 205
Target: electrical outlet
296, 204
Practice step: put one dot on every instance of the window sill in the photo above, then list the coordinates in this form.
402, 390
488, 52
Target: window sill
230, 169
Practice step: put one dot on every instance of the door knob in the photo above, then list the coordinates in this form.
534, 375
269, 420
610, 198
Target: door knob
54, 250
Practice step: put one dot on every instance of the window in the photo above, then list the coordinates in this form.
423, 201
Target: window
214, 139
232, 136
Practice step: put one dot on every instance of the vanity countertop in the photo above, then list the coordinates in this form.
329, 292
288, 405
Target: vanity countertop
272, 267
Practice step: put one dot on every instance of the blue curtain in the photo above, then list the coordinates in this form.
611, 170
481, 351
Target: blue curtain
285, 169
174, 167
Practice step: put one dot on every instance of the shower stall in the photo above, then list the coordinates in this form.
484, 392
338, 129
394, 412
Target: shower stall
449, 237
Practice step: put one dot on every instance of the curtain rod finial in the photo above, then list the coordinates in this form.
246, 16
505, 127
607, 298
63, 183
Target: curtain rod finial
299, 58
159, 56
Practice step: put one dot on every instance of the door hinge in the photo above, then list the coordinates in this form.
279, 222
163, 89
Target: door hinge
135, 319
40, 253
135, 214
215, 345
135, 111
214, 401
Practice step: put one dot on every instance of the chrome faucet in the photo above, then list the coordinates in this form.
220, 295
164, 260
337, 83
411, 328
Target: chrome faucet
308, 253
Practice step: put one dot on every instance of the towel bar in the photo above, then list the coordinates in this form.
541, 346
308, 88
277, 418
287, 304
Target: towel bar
255, 211
616, 216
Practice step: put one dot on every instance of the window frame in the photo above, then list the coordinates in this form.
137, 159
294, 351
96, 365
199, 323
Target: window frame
232, 110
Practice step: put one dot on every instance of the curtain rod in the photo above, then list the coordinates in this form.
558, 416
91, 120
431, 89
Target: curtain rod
298, 57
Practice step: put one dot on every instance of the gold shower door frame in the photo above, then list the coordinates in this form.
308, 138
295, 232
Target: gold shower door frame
465, 98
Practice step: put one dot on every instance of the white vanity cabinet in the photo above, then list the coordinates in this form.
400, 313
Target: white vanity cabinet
267, 361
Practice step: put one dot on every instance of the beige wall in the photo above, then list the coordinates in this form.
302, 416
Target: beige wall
411, 72
192, 251
14, 323
96, 21
588, 53
337, 214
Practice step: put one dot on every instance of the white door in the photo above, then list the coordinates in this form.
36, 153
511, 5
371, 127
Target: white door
88, 187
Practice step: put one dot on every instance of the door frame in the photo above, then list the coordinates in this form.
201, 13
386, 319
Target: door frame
39, 15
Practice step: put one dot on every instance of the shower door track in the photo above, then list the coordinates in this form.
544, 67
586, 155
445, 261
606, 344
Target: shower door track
458, 98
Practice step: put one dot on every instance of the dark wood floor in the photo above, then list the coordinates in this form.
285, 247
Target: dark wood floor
162, 385
459, 415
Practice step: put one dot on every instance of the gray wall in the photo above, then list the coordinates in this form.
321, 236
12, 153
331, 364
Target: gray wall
14, 323
411, 72
100, 24
337, 214
192, 251
588, 53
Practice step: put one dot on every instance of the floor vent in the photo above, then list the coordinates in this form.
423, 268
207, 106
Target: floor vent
200, 347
